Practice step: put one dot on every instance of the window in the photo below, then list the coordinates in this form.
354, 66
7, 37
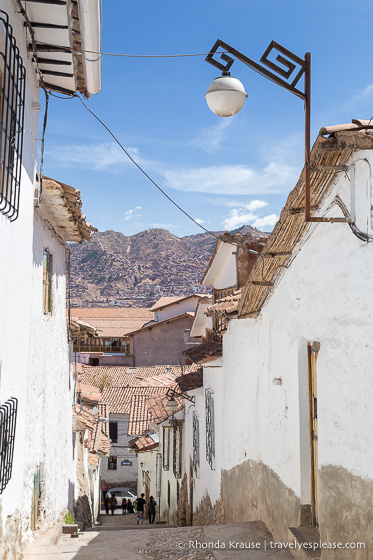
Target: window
196, 444
12, 95
47, 282
158, 483
166, 449
113, 431
112, 464
177, 450
210, 428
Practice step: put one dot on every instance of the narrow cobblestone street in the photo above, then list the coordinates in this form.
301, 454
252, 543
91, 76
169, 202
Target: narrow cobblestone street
119, 538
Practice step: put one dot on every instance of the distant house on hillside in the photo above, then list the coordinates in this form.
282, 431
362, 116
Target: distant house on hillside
164, 339
112, 345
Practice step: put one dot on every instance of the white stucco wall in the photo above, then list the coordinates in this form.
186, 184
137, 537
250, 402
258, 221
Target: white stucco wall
324, 296
208, 479
16, 287
177, 308
223, 271
123, 475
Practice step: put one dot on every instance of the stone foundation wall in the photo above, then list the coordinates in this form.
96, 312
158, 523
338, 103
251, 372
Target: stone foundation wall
346, 512
252, 491
207, 514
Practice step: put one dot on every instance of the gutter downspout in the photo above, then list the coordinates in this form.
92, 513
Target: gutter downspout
90, 30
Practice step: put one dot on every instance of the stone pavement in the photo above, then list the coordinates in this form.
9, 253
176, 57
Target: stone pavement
119, 538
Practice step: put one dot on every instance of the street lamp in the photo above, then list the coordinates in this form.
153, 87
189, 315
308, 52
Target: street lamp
226, 95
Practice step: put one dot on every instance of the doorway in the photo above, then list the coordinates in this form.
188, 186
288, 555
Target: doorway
313, 350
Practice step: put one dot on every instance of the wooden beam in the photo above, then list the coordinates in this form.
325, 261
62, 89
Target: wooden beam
60, 74
41, 25
54, 87
54, 61
54, 2
50, 48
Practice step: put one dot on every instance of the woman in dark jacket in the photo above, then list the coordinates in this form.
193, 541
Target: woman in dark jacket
151, 509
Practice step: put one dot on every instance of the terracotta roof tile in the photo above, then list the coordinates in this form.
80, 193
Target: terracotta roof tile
191, 380
204, 352
167, 301
144, 443
225, 306
113, 322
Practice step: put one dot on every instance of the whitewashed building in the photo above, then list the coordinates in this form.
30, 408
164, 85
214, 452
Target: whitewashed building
36, 485
291, 419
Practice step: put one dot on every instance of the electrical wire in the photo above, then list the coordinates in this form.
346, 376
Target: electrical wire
124, 55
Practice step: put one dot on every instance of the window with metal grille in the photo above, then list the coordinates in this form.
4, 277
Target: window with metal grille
12, 100
8, 420
112, 463
166, 449
47, 281
158, 468
210, 428
196, 444
113, 432
177, 451
168, 493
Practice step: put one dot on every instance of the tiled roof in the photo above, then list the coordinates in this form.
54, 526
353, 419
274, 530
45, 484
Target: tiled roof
158, 409
119, 398
191, 380
97, 441
144, 443
89, 393
139, 415
284, 242
113, 322
204, 352
62, 206
167, 301
121, 376
225, 306
154, 325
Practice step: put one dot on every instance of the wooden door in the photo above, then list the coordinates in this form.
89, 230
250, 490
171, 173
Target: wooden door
313, 349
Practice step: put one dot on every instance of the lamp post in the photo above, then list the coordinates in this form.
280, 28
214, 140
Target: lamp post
226, 95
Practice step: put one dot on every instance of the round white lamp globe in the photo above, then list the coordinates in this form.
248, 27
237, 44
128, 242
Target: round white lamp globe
225, 96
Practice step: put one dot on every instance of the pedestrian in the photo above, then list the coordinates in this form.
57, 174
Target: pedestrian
151, 509
113, 503
106, 504
129, 506
140, 509
124, 506
104, 488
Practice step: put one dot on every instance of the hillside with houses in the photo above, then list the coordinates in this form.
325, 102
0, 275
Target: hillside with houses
118, 270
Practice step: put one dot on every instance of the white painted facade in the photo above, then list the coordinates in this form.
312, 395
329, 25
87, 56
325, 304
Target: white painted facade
223, 270
262, 388
34, 352
177, 308
123, 475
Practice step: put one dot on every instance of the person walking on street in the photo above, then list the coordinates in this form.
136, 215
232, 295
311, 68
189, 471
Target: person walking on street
113, 503
129, 506
106, 504
140, 509
124, 506
151, 509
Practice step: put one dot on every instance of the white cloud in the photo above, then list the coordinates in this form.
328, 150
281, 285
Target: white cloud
232, 179
246, 214
211, 138
164, 226
199, 221
99, 157
359, 99
131, 213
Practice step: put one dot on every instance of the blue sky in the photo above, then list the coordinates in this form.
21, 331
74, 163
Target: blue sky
224, 172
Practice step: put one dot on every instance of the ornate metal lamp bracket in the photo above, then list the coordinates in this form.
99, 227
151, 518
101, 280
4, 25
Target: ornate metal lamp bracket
286, 71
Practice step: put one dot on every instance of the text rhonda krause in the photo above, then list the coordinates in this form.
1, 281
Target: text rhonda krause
265, 545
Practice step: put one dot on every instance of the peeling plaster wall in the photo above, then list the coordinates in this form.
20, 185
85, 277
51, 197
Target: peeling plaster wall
325, 296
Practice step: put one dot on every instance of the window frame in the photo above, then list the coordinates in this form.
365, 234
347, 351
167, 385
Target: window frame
47, 282
112, 463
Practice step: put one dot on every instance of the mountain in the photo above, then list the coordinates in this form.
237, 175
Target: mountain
116, 269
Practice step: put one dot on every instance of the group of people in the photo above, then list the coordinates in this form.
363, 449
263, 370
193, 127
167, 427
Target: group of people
111, 502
